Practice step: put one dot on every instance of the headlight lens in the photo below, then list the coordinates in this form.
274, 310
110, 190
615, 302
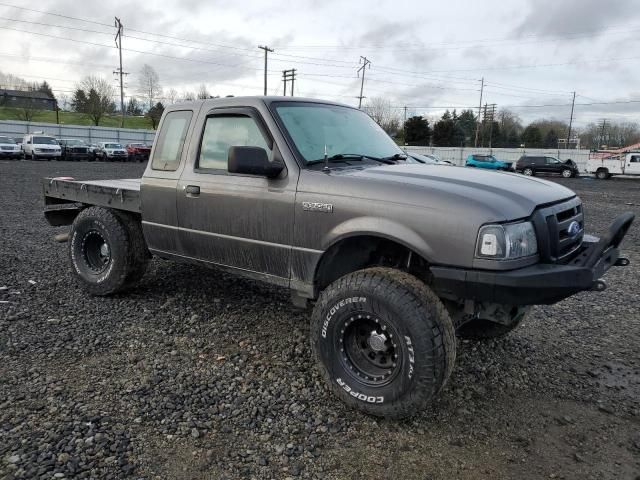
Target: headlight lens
507, 242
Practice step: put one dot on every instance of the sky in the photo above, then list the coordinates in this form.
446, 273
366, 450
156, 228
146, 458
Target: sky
427, 56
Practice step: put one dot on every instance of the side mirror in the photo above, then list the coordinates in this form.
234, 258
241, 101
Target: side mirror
253, 161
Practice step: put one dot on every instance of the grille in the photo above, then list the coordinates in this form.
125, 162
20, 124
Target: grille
552, 225
80, 150
6, 148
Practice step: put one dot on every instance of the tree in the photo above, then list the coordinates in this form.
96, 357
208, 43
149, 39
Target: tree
149, 84
172, 96
46, 89
203, 93
94, 98
417, 131
381, 111
133, 107
189, 96
27, 110
154, 114
551, 139
531, 137
510, 128
467, 124
447, 132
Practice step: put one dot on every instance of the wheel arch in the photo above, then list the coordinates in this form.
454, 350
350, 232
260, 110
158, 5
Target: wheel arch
356, 250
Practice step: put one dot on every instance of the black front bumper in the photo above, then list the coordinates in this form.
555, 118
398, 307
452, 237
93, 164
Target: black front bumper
543, 283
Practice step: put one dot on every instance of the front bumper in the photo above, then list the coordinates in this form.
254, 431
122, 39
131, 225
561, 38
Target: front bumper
10, 153
543, 283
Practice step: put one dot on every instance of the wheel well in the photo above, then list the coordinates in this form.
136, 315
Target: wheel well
602, 169
356, 253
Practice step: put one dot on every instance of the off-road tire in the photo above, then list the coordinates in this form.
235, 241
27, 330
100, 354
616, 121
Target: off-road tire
139, 255
94, 225
419, 327
480, 329
528, 172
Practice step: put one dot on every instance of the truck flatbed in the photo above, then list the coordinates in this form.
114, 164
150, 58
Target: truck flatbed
64, 195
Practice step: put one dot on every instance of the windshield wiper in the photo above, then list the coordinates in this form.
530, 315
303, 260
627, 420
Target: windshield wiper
396, 156
338, 157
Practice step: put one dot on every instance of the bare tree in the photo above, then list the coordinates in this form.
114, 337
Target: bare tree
189, 96
27, 110
97, 94
383, 114
203, 93
149, 84
172, 96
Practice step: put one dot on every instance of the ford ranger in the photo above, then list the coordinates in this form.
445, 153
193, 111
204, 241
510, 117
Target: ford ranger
396, 257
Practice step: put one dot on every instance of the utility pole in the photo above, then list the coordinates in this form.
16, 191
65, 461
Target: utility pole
604, 125
266, 52
404, 126
57, 110
288, 76
573, 102
489, 114
479, 108
365, 62
119, 71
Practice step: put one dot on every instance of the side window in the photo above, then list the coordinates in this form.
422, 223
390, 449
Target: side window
171, 140
222, 132
635, 159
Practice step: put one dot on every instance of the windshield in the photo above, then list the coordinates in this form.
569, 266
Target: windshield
112, 145
342, 130
138, 145
6, 140
44, 141
74, 142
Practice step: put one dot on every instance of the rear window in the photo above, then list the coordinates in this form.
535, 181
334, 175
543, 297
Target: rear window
170, 142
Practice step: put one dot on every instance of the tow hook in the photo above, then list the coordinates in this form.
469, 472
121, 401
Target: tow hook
621, 262
599, 285
62, 237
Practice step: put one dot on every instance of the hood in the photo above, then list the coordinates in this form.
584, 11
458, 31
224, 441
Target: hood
504, 196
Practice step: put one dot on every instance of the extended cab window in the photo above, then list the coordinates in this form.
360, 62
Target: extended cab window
171, 140
222, 132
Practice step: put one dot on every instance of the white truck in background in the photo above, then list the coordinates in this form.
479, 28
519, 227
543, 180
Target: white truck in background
603, 167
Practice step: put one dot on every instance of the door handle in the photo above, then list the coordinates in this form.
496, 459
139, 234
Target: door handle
192, 190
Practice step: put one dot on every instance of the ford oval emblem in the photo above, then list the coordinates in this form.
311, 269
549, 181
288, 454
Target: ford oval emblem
574, 229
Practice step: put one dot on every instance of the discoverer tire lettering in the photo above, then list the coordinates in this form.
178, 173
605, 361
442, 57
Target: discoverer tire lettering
384, 342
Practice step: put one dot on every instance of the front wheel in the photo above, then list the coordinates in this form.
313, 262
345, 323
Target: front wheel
384, 341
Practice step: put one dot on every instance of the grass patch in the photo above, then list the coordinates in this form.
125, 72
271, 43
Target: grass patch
74, 118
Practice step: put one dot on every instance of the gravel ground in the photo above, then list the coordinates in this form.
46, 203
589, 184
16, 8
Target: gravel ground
197, 374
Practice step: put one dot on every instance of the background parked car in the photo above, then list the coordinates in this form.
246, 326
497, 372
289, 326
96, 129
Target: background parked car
138, 151
488, 161
36, 146
9, 148
532, 165
111, 151
74, 149
413, 157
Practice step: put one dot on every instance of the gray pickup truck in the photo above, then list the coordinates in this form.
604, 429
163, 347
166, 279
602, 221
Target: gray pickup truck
397, 257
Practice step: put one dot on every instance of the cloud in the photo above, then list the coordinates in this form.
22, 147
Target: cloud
558, 18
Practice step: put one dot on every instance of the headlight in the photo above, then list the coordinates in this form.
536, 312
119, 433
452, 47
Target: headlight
507, 242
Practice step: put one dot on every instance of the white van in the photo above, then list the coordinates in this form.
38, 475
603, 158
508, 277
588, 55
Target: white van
37, 145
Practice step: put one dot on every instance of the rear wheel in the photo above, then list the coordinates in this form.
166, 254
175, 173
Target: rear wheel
567, 173
602, 174
104, 253
528, 172
384, 342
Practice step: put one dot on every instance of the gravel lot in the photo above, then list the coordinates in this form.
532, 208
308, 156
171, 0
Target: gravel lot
197, 374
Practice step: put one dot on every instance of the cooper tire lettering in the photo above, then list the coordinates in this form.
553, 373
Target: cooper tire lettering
360, 396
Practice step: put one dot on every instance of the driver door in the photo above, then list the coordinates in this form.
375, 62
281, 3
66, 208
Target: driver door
633, 165
240, 221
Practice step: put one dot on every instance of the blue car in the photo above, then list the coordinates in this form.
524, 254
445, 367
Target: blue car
488, 161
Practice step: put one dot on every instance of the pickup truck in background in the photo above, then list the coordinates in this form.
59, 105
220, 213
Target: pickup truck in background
603, 167
313, 196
